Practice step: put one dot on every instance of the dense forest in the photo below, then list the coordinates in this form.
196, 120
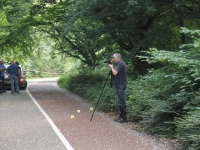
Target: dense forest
158, 40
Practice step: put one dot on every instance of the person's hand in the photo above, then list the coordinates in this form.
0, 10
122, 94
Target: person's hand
110, 66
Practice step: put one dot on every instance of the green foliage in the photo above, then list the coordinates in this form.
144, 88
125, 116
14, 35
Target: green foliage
139, 97
150, 103
41, 62
174, 90
90, 86
16, 40
159, 119
188, 131
64, 81
184, 66
108, 100
3, 23
86, 30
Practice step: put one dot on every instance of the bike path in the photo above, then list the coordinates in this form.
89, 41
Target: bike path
71, 114
46, 117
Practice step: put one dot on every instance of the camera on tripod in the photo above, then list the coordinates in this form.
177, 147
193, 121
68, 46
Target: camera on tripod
108, 60
110, 74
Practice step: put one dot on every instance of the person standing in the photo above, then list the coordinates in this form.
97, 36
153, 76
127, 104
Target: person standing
119, 73
2, 75
13, 71
19, 72
0, 79
19, 69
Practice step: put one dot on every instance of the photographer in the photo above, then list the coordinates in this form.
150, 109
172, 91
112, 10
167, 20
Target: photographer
119, 73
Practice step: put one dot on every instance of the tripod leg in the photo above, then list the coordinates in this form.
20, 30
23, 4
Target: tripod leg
100, 95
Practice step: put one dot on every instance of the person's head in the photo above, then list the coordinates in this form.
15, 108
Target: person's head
1, 61
17, 63
11, 62
116, 57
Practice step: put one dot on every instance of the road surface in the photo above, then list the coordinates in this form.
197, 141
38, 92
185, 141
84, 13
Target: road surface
46, 117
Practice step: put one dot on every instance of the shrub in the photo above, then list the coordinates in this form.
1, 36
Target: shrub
188, 130
160, 118
90, 86
64, 81
177, 86
150, 103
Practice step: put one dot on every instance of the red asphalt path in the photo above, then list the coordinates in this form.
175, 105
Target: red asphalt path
71, 116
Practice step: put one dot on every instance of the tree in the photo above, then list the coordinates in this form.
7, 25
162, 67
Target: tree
72, 33
87, 30
15, 40
138, 25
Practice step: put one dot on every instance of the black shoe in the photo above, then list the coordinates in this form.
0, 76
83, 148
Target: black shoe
121, 120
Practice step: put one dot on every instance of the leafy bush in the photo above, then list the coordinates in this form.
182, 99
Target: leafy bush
81, 83
138, 98
160, 118
178, 92
107, 101
90, 86
188, 131
64, 81
149, 102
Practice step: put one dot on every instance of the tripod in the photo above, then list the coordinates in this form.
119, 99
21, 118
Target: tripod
111, 83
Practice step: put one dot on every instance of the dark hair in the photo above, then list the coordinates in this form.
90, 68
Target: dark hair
17, 63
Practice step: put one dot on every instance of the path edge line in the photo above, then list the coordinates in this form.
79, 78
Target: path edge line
57, 131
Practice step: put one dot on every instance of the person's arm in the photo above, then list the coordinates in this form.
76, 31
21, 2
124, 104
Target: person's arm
113, 69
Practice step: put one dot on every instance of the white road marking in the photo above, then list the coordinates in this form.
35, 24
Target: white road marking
62, 138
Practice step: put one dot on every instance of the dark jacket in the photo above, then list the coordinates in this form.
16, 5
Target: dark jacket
12, 69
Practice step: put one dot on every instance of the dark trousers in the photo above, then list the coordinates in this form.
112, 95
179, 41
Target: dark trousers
121, 101
2, 84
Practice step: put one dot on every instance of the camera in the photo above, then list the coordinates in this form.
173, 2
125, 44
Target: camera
108, 59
